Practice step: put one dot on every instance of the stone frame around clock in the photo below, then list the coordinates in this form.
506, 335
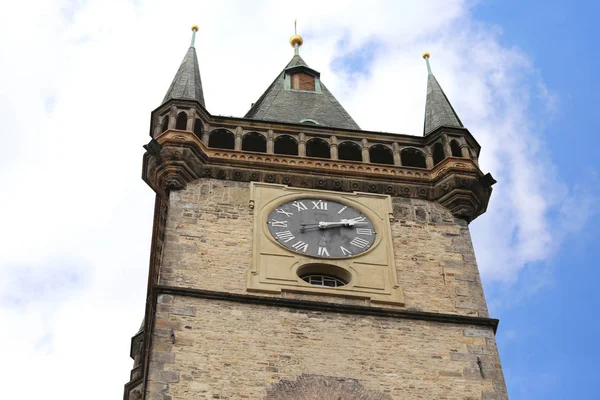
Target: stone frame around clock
275, 268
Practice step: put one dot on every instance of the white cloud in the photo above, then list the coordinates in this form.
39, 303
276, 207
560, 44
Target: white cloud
80, 79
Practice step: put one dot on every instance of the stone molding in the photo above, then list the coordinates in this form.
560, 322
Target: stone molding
182, 157
327, 307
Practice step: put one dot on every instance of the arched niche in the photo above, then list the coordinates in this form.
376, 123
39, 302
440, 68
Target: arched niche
438, 153
181, 122
221, 139
254, 141
349, 151
198, 128
286, 144
317, 148
413, 158
380, 154
455, 148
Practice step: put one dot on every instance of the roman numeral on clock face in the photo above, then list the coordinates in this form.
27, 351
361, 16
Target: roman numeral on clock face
300, 246
345, 251
281, 224
282, 211
323, 252
319, 205
359, 242
299, 205
285, 236
364, 231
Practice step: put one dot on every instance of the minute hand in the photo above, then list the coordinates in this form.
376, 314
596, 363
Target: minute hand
344, 222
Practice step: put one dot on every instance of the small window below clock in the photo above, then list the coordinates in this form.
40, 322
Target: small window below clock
324, 280
324, 275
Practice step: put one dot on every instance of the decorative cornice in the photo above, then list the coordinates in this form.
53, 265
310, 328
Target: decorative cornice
456, 183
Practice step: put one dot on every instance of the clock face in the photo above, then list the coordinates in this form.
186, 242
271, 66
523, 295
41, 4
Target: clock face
321, 228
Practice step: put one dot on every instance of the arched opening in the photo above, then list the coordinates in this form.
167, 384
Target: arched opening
324, 275
198, 128
455, 148
413, 158
181, 122
317, 148
165, 123
221, 139
380, 154
285, 144
254, 141
438, 153
349, 151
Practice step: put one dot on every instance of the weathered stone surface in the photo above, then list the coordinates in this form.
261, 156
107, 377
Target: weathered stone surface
261, 352
204, 349
213, 258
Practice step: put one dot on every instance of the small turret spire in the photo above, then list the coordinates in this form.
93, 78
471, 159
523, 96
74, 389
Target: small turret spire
438, 110
187, 84
296, 40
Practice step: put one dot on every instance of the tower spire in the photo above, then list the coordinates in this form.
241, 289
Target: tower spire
187, 84
438, 110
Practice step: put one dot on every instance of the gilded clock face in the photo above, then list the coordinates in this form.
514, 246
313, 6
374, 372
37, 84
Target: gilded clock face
321, 228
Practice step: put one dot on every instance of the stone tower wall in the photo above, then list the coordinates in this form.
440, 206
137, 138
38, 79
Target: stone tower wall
205, 348
209, 234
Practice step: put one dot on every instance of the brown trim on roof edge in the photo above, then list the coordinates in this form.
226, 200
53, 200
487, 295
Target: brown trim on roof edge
328, 307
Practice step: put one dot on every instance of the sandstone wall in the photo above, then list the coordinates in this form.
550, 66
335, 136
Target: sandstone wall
213, 349
208, 245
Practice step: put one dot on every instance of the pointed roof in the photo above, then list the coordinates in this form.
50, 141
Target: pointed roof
282, 104
438, 110
187, 84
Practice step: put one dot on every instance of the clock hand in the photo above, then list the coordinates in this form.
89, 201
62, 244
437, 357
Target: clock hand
344, 222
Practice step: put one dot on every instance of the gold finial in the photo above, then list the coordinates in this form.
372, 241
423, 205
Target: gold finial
426, 55
296, 39
195, 28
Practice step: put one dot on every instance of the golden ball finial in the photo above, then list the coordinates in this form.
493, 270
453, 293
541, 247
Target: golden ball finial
296, 39
426, 55
195, 28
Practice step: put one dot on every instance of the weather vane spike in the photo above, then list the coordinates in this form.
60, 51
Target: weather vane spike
426, 56
194, 30
296, 40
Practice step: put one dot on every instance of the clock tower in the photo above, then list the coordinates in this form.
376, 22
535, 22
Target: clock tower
297, 256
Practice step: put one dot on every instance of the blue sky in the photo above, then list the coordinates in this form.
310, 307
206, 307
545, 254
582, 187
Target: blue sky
547, 341
79, 79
